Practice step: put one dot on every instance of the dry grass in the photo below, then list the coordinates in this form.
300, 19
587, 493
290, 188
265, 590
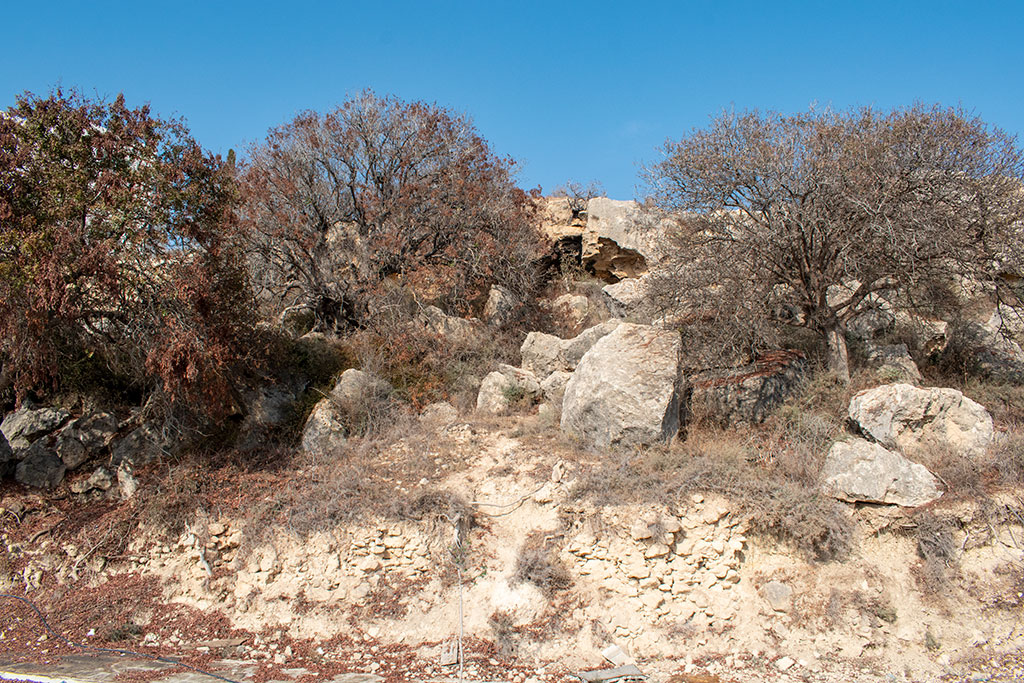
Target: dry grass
777, 503
770, 472
538, 563
937, 550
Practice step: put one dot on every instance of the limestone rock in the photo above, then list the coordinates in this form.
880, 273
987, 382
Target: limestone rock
747, 395
356, 386
324, 431
627, 298
893, 360
504, 387
501, 306
41, 467
101, 480
873, 320
553, 388
575, 306
620, 240
543, 354
778, 595
141, 446
861, 471
440, 414
127, 483
458, 329
27, 424
911, 418
85, 437
627, 388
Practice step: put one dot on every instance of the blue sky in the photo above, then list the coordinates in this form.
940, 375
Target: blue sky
581, 90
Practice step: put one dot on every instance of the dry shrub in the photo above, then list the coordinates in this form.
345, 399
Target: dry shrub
937, 551
169, 504
538, 563
503, 625
728, 464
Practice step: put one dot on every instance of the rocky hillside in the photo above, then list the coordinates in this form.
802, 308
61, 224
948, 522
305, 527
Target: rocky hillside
560, 485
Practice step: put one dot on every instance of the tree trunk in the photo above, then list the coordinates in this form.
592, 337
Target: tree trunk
838, 353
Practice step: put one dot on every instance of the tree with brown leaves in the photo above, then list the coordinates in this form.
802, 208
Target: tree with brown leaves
115, 260
802, 220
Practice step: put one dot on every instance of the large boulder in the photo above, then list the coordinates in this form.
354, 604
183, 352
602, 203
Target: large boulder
355, 386
543, 354
620, 239
40, 467
27, 424
859, 471
324, 431
910, 418
504, 388
627, 388
85, 437
628, 298
748, 394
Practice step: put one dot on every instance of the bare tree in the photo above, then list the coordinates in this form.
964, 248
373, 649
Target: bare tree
802, 220
578, 195
378, 195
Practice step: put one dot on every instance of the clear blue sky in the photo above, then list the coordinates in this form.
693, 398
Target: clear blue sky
581, 90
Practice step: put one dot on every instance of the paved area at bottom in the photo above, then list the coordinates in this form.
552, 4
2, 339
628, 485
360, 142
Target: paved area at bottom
87, 669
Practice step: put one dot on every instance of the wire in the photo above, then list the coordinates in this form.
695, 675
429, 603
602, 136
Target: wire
130, 653
516, 503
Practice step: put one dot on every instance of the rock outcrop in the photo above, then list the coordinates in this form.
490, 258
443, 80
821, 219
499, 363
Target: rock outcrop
619, 241
748, 394
627, 388
543, 354
859, 471
909, 418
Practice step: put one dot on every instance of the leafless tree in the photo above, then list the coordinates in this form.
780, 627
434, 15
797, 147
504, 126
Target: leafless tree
803, 220
382, 195
578, 195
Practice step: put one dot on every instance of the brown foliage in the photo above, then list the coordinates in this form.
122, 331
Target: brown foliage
115, 261
340, 207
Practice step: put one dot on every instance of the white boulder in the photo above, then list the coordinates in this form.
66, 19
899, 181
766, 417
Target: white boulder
626, 388
910, 418
860, 471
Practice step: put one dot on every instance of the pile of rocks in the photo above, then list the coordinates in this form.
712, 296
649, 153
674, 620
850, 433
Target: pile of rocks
681, 567
897, 422
40, 445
